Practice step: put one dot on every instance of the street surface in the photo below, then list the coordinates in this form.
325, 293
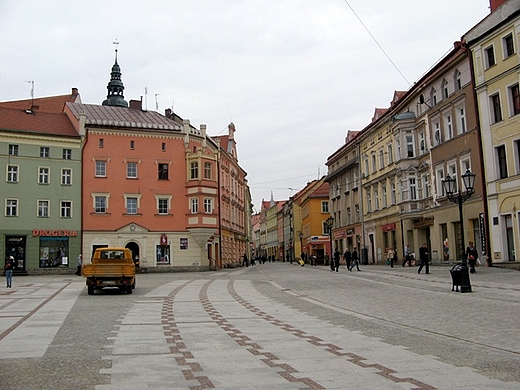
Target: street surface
269, 326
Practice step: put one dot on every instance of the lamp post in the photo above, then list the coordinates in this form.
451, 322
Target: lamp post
301, 244
329, 223
468, 179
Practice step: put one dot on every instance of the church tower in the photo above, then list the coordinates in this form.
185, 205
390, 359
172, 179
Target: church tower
115, 88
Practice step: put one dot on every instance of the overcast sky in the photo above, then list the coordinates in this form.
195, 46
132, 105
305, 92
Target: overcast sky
292, 75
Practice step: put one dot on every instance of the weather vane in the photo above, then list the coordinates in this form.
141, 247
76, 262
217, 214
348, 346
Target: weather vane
116, 42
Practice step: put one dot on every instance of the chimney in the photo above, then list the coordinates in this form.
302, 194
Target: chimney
136, 104
168, 112
494, 4
74, 92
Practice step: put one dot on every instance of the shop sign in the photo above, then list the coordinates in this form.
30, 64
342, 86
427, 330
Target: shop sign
388, 227
54, 233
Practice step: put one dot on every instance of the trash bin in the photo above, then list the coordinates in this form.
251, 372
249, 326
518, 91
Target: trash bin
456, 276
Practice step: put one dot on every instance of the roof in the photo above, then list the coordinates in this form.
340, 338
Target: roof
54, 104
36, 122
97, 115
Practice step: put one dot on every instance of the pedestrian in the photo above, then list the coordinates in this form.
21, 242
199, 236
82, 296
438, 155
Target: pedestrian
424, 256
347, 256
337, 256
395, 259
407, 256
390, 257
314, 261
8, 268
354, 260
245, 261
472, 256
79, 262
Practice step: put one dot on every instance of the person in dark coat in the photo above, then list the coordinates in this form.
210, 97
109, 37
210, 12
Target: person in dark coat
337, 256
424, 256
472, 255
355, 260
347, 256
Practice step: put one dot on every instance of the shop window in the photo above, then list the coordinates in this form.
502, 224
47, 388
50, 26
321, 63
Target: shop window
54, 252
163, 254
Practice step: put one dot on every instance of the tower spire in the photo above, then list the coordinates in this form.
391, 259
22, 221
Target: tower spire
115, 86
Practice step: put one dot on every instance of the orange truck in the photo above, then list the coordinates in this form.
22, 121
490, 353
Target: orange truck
110, 267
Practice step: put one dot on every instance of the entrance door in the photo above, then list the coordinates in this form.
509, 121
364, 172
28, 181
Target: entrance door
16, 246
134, 247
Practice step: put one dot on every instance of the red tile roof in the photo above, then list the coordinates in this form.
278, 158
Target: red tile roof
53, 104
36, 122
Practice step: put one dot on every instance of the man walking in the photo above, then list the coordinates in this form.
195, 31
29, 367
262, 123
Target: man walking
337, 256
390, 257
355, 260
348, 257
79, 262
424, 256
407, 256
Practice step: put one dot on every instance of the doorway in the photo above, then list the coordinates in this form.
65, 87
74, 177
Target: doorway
134, 247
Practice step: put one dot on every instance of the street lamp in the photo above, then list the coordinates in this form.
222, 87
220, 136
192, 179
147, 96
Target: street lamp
329, 223
468, 179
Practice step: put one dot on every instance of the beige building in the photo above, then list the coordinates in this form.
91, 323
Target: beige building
494, 46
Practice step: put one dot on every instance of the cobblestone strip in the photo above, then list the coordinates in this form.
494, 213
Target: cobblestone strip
286, 371
178, 348
383, 371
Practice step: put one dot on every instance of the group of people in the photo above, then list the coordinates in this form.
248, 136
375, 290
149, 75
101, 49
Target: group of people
351, 258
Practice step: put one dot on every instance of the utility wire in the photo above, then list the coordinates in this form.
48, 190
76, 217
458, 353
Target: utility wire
377, 43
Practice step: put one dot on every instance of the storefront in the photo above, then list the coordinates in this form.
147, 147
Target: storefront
54, 247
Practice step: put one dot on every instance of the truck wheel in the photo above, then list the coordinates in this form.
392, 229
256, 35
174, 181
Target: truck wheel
90, 290
129, 290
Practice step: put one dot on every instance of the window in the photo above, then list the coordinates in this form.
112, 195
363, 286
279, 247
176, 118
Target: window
194, 205
67, 154
13, 150
384, 194
66, 209
349, 216
461, 120
458, 81
101, 143
448, 126
163, 171
358, 213
426, 187
366, 166
12, 173
208, 205
66, 176
509, 46
43, 175
381, 159
208, 170
43, 208
445, 91
162, 206
390, 154
100, 204
393, 197
413, 188
132, 145
194, 170
131, 205
369, 201
325, 207
495, 108
101, 168
11, 207
374, 165
433, 97
517, 148
398, 143
376, 199
440, 178
502, 161
437, 137
422, 144
490, 57
163, 146
409, 146
131, 170
44, 152
514, 93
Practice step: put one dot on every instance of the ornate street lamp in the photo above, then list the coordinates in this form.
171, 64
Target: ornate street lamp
329, 223
468, 178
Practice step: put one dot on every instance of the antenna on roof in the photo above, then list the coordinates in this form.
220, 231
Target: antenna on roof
32, 91
156, 103
146, 98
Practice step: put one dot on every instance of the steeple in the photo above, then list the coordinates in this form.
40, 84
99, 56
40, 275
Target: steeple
115, 88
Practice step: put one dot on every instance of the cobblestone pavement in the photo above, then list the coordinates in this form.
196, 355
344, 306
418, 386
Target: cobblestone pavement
269, 326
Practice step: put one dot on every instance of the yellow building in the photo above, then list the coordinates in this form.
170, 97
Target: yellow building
494, 45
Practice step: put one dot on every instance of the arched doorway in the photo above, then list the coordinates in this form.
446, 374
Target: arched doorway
134, 247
